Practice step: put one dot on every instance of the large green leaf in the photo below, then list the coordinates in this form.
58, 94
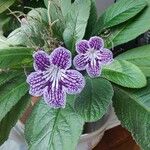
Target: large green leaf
139, 56
53, 129
76, 22
133, 110
92, 19
15, 56
10, 94
130, 29
12, 117
93, 102
4, 4
125, 74
33, 32
65, 6
119, 12
5, 76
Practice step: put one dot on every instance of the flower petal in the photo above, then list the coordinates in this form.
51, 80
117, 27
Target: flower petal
61, 57
41, 61
96, 43
55, 97
37, 83
82, 46
94, 70
106, 56
73, 81
80, 62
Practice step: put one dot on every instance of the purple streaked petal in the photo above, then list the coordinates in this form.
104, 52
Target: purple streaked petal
106, 56
94, 70
37, 83
80, 62
96, 43
73, 81
61, 57
41, 61
55, 97
82, 46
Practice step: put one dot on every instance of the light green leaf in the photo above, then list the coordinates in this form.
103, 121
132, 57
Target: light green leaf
139, 56
7, 75
76, 22
119, 12
131, 29
125, 74
93, 102
133, 110
53, 129
65, 6
15, 56
4, 4
9, 121
11, 93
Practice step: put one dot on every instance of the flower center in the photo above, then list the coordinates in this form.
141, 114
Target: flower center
54, 74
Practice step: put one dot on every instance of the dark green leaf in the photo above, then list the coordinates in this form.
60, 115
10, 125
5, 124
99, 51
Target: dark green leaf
133, 110
119, 12
131, 29
10, 94
93, 102
53, 129
76, 22
125, 74
92, 19
15, 56
12, 117
139, 56
4, 4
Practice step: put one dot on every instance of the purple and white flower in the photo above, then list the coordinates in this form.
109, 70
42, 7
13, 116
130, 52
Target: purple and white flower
52, 79
92, 56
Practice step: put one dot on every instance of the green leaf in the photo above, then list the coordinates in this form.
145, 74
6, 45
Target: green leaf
4, 4
10, 94
53, 129
76, 22
139, 56
33, 32
125, 74
131, 29
6, 76
119, 12
9, 121
65, 6
57, 19
15, 56
93, 102
133, 110
92, 20
3, 42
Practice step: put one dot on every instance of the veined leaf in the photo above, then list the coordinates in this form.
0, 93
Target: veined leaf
125, 74
93, 102
58, 129
139, 56
6, 76
92, 19
4, 4
76, 22
11, 93
9, 121
65, 6
133, 110
130, 29
119, 12
13, 56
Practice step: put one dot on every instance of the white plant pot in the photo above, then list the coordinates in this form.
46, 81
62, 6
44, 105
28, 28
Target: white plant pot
90, 140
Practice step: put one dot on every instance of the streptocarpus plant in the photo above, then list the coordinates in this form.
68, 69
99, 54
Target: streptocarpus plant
41, 52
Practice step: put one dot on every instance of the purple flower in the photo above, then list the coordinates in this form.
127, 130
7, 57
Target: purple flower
92, 56
52, 79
